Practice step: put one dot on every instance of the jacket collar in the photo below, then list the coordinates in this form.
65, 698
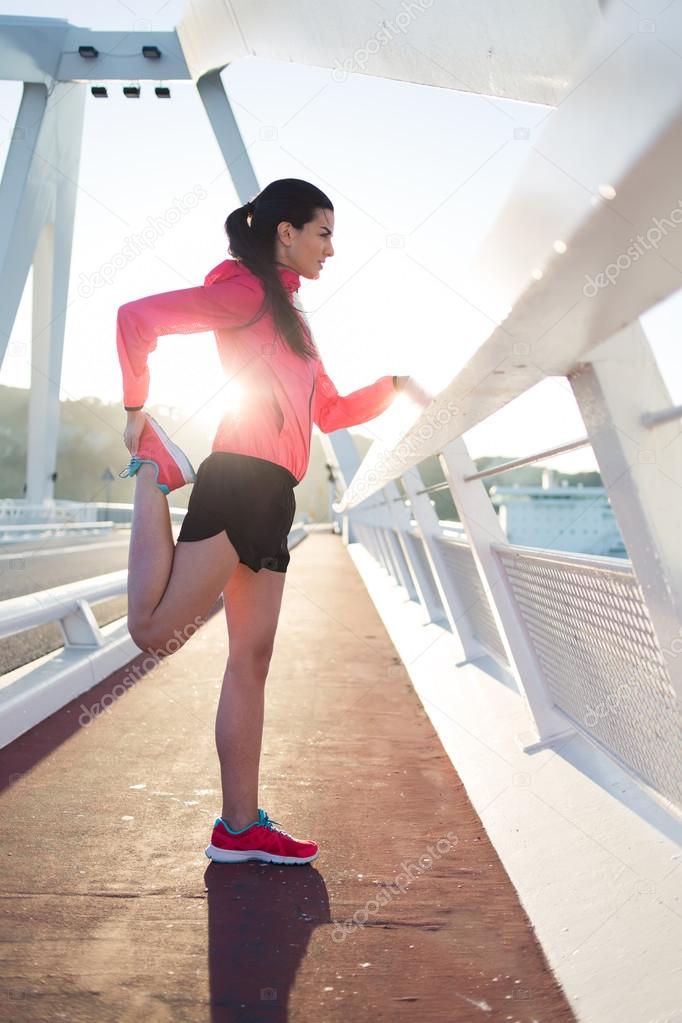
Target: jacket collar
233, 268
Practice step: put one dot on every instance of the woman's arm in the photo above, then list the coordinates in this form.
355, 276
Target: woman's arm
332, 411
186, 311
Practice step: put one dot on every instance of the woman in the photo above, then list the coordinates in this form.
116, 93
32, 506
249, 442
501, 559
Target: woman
234, 536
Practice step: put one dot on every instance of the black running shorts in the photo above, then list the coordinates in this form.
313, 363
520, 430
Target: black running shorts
252, 499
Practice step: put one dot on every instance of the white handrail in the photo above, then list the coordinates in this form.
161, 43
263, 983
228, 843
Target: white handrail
33, 609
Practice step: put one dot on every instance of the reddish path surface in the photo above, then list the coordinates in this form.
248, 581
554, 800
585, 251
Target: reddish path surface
111, 912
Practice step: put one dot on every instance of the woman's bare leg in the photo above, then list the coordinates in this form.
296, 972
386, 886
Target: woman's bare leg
252, 606
171, 587
150, 555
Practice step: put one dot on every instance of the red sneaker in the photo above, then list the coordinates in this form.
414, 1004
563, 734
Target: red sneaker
173, 467
259, 841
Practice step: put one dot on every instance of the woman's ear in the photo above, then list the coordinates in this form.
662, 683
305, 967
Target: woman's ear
284, 232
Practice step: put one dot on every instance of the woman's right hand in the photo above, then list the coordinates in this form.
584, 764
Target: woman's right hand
133, 430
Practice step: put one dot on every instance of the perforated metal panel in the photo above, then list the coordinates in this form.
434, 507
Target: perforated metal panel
465, 578
589, 626
415, 546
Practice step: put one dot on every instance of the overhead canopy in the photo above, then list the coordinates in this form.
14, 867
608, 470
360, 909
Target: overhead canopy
523, 50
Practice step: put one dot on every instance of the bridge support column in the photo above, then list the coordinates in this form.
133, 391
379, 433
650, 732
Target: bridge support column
37, 210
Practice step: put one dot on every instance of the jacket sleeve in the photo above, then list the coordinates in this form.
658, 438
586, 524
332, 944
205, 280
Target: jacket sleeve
332, 411
186, 311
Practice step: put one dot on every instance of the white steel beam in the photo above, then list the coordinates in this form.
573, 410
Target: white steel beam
588, 241
521, 51
37, 210
228, 135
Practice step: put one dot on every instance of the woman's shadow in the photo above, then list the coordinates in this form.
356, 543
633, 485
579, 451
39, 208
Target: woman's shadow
260, 919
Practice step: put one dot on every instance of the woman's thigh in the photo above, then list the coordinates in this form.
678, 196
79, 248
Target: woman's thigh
252, 605
199, 573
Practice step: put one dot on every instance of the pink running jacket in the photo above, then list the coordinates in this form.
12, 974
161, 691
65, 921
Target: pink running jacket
281, 394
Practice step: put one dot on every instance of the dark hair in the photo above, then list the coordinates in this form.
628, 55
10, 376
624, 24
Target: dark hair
297, 202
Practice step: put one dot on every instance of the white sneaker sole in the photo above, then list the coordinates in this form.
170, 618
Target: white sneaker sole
177, 454
219, 855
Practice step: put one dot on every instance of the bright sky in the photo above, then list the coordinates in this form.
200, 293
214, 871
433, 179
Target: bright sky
416, 175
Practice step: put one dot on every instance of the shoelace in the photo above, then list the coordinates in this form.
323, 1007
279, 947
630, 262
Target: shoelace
267, 822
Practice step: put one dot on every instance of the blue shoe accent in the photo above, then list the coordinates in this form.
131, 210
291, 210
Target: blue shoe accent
135, 464
263, 820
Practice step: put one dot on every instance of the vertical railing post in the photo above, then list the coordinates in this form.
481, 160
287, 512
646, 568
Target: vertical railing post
641, 468
423, 584
394, 522
430, 530
483, 529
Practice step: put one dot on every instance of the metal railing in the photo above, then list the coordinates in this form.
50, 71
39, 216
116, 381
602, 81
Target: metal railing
69, 605
585, 618
89, 654
14, 511
592, 642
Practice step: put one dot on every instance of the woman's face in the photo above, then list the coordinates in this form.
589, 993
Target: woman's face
305, 250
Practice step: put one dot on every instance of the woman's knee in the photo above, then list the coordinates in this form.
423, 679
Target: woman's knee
139, 630
251, 662
147, 635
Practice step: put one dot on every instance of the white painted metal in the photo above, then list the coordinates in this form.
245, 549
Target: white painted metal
593, 854
34, 692
483, 529
80, 627
378, 524
9, 532
462, 570
521, 51
398, 516
396, 519
58, 603
599, 657
642, 471
228, 135
375, 518
60, 513
450, 599
23, 209
561, 267
653, 419
37, 207
37, 195
340, 451
31, 693
46, 50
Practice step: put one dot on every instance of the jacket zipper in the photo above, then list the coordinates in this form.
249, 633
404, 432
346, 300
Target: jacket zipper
310, 401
